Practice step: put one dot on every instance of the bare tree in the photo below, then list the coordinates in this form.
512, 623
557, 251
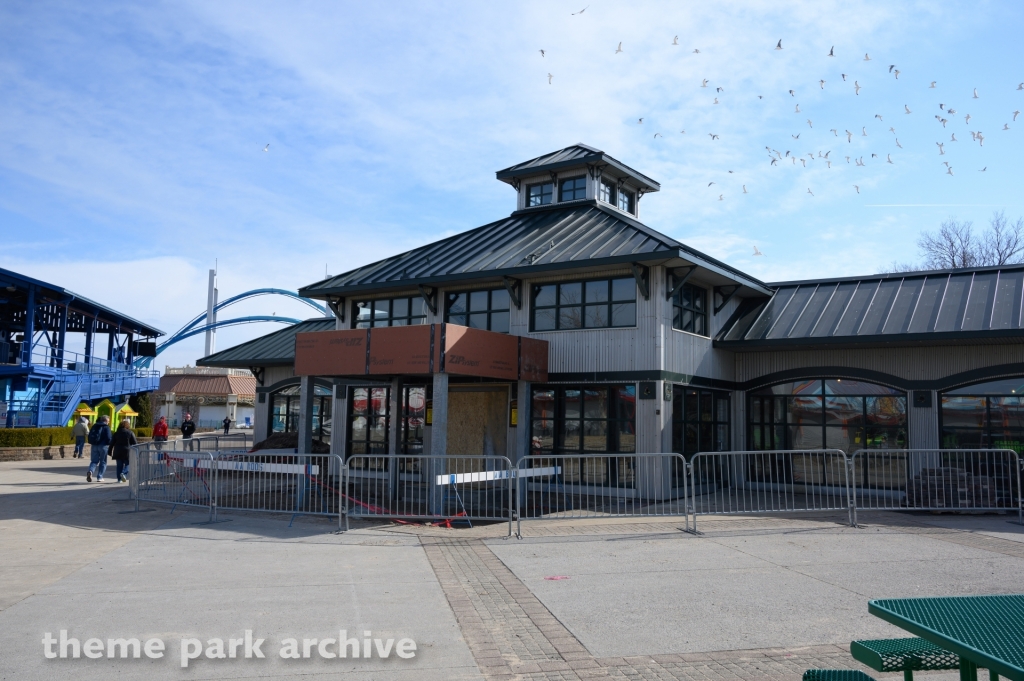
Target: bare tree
1003, 244
953, 246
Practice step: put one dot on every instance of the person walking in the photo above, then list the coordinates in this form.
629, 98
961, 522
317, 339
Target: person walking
120, 448
80, 431
100, 438
160, 433
188, 426
227, 424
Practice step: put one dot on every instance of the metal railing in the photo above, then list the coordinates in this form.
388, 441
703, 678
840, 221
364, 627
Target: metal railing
233, 442
600, 486
296, 484
936, 480
727, 483
447, 490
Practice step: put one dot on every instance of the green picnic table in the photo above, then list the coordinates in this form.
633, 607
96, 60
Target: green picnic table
985, 631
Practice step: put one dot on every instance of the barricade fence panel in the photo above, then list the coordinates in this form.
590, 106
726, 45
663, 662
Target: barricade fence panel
600, 486
725, 483
453, 489
936, 479
300, 484
172, 478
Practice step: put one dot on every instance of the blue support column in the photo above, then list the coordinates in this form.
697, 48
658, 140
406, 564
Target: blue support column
63, 337
30, 326
110, 347
89, 330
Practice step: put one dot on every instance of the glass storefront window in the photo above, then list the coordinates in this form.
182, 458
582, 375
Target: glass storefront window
984, 416
284, 412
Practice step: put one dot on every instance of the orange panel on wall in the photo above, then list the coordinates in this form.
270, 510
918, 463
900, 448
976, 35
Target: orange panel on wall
400, 350
331, 353
533, 360
474, 352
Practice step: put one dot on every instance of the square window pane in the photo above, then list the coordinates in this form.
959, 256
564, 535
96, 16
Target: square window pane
570, 433
478, 321
595, 403
624, 314
691, 443
699, 323
359, 401
886, 411
686, 321
544, 296
570, 318
625, 401
400, 307
456, 303
499, 299
570, 294
805, 409
697, 297
844, 411
690, 405
596, 316
543, 320
597, 291
544, 404
543, 439
416, 307
623, 289
364, 310
707, 406
571, 400
721, 438
626, 435
478, 301
595, 436
499, 322
402, 321
381, 309
379, 401
459, 319
805, 437
722, 409
677, 317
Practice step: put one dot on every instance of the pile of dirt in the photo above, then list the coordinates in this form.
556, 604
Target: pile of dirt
290, 441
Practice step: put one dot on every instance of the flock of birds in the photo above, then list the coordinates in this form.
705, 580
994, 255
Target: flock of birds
947, 118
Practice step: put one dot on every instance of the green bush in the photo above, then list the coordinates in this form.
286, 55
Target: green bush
144, 432
35, 437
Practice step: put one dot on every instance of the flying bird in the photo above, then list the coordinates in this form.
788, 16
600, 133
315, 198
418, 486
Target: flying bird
797, 109
943, 121
866, 57
949, 170
657, 135
888, 158
1021, 86
757, 252
953, 138
822, 84
809, 191
704, 83
874, 155
796, 136
863, 132
951, 111
804, 162
716, 100
639, 121
849, 136
809, 124
618, 49
774, 161
933, 84
844, 76
891, 67
792, 93
832, 52
897, 74
975, 94
721, 197
857, 188
856, 88
834, 132
878, 116
675, 41
941, 151
541, 52
549, 78
892, 130
696, 51
581, 11
1015, 114
745, 189
719, 89
942, 106
983, 169
1006, 126
779, 46
967, 119
906, 109
898, 143
710, 183
713, 136
847, 159
267, 148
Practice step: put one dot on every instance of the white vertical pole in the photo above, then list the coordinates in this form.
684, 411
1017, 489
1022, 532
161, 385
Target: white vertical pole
211, 302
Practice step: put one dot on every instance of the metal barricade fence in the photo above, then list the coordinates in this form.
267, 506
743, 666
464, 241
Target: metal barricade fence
172, 478
235, 442
449, 489
769, 481
299, 484
937, 480
600, 486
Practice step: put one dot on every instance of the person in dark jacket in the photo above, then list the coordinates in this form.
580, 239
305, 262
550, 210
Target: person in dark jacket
227, 424
188, 426
120, 448
100, 438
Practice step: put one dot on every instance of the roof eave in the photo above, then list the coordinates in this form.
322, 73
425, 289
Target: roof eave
873, 341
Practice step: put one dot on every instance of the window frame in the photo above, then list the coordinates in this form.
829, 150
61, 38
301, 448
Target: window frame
629, 196
490, 310
576, 188
373, 321
557, 308
991, 434
550, 194
679, 307
611, 191
323, 407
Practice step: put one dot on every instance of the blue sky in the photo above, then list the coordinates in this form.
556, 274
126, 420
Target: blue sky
131, 135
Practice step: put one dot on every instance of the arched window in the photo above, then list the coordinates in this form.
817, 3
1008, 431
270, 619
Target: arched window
830, 413
284, 411
986, 415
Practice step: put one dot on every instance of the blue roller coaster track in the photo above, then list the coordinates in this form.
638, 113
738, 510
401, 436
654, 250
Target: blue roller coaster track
193, 328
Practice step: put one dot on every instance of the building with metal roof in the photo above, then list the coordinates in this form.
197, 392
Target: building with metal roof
42, 381
647, 345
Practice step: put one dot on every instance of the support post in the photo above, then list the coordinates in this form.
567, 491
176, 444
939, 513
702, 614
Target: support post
30, 326
63, 337
211, 316
90, 329
438, 441
524, 432
306, 389
394, 435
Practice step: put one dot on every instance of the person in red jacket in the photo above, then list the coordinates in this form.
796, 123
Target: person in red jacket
160, 433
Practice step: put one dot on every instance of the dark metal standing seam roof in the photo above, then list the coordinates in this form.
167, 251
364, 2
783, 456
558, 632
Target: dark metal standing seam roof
965, 304
575, 155
274, 349
580, 234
